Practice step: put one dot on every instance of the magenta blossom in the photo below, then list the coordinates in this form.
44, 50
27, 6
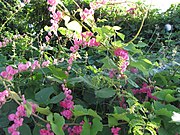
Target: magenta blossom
115, 131
52, 2
122, 53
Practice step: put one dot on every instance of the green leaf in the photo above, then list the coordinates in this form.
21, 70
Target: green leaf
122, 36
122, 116
62, 30
45, 111
132, 83
4, 122
163, 112
105, 93
36, 130
170, 98
86, 127
94, 114
96, 127
57, 122
25, 129
141, 44
112, 121
43, 96
131, 48
80, 111
28, 108
108, 63
74, 25
58, 73
15, 96
57, 99
162, 94
86, 80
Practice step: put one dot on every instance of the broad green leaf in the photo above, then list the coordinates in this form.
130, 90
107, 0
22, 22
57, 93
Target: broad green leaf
15, 96
79, 111
45, 111
108, 63
58, 73
57, 99
112, 121
162, 94
4, 122
132, 83
141, 44
163, 112
122, 116
62, 30
86, 80
28, 108
131, 48
86, 127
36, 130
57, 122
94, 114
74, 25
105, 93
116, 27
96, 127
43, 96
25, 129
170, 98
122, 36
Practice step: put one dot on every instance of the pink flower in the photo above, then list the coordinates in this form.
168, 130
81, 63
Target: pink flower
134, 70
115, 131
57, 16
26, 1
92, 42
35, 65
9, 73
47, 38
22, 67
52, 9
52, 2
45, 63
87, 14
122, 53
46, 131
3, 96
77, 130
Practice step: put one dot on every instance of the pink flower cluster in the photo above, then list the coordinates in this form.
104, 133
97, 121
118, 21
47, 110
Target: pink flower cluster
123, 54
145, 89
84, 41
5, 42
87, 14
46, 131
10, 71
98, 4
26, 1
115, 131
17, 118
75, 130
56, 16
67, 103
3, 95
134, 70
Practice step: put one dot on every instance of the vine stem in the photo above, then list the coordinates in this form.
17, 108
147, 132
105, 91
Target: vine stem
137, 34
9, 19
